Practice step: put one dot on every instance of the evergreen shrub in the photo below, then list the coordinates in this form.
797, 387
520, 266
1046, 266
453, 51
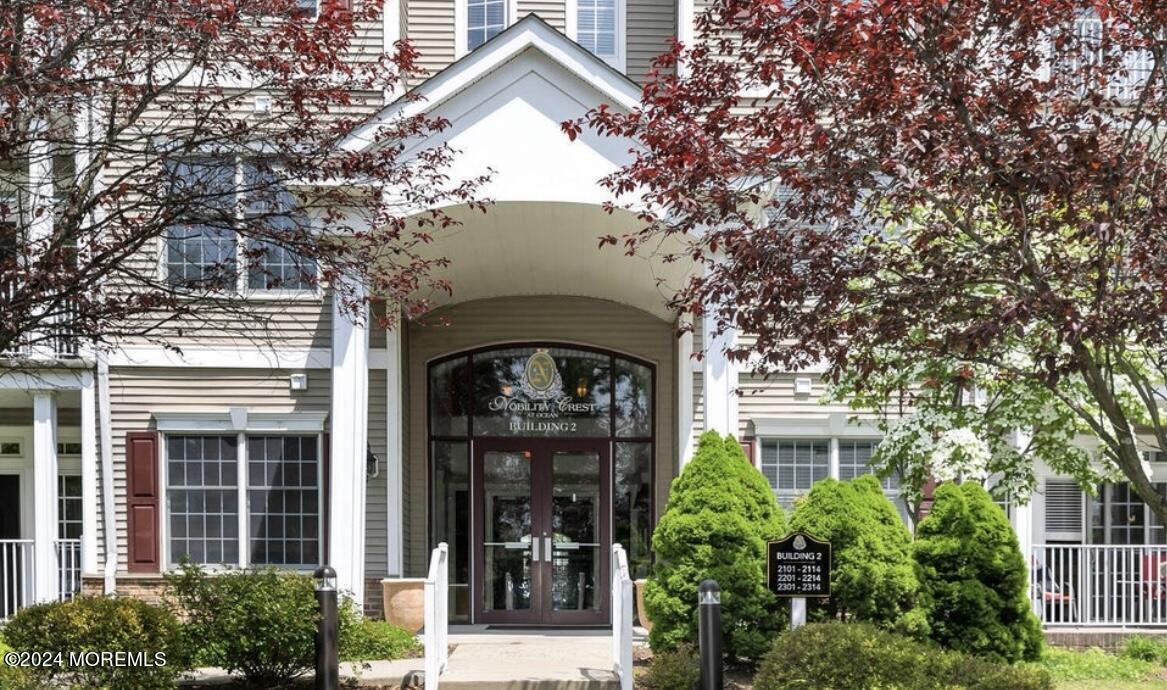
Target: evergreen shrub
87, 625
861, 656
872, 576
720, 514
972, 577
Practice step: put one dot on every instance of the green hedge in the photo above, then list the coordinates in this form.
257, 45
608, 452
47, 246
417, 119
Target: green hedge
973, 584
872, 577
860, 656
95, 625
720, 514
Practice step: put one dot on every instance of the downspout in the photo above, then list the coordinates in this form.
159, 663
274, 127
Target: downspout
109, 526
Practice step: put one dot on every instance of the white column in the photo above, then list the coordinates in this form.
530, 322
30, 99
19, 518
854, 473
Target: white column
44, 495
394, 463
89, 563
1021, 516
720, 380
685, 31
349, 420
685, 394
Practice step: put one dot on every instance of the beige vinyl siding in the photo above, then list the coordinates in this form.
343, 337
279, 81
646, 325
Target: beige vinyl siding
430, 25
137, 393
773, 398
285, 324
650, 24
570, 320
550, 11
376, 548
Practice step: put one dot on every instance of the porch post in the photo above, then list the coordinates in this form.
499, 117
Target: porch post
1021, 516
88, 474
394, 508
44, 493
720, 379
348, 446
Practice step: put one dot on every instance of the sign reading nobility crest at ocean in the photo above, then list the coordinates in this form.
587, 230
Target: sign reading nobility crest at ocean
798, 565
542, 406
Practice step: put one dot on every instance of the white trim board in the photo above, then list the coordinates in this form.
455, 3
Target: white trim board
833, 425
241, 419
229, 357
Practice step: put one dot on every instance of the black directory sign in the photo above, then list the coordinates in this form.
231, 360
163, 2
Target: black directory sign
799, 566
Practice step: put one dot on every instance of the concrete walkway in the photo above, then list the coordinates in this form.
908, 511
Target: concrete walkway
497, 660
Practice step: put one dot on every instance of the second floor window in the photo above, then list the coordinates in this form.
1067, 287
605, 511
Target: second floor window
596, 27
485, 19
215, 197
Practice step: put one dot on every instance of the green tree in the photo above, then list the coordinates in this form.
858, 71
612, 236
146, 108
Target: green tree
871, 577
972, 577
721, 513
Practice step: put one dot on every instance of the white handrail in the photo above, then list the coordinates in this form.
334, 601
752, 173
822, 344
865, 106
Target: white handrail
437, 594
621, 618
1099, 585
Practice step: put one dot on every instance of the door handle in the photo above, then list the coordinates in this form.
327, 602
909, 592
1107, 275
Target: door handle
547, 547
534, 549
567, 546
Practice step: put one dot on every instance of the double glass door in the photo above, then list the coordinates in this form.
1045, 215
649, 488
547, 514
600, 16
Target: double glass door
541, 552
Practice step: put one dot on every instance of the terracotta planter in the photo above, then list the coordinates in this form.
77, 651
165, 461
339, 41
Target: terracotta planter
404, 602
641, 613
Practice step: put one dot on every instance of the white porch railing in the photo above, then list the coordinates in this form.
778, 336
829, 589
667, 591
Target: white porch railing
16, 576
437, 594
1096, 585
68, 568
18, 570
621, 618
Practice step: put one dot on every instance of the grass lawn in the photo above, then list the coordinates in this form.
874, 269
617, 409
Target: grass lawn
1094, 669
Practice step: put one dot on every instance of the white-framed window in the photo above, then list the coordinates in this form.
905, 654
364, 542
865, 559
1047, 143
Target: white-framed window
599, 26
203, 250
478, 21
1118, 516
245, 499
69, 520
792, 466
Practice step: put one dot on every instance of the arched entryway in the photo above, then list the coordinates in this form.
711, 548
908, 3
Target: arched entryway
541, 456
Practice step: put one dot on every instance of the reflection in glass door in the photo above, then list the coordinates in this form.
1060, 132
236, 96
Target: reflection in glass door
543, 551
576, 550
507, 539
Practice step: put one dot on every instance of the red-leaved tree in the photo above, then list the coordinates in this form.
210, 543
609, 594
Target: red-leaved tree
973, 189
167, 163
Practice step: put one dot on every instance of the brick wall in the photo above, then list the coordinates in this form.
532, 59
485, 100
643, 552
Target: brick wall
149, 588
1109, 640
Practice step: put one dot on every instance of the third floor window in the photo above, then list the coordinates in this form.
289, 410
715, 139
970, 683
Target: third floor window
485, 19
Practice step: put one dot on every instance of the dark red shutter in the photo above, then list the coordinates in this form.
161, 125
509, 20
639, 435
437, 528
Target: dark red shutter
142, 500
748, 448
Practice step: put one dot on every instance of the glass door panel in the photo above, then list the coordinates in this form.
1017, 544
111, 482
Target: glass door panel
575, 529
508, 576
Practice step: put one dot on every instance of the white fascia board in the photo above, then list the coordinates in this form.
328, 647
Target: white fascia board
267, 422
45, 379
832, 425
529, 32
231, 358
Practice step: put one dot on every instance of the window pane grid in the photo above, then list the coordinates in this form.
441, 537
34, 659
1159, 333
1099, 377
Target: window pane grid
283, 500
596, 26
68, 507
792, 467
204, 511
485, 19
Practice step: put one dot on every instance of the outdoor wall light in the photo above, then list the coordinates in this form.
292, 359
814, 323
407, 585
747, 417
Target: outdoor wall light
372, 462
581, 390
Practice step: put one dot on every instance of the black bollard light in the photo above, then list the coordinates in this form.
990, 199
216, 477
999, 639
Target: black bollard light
327, 661
709, 634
